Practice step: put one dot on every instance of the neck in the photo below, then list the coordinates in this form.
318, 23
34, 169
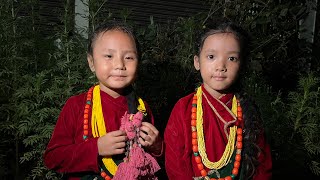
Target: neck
214, 93
115, 93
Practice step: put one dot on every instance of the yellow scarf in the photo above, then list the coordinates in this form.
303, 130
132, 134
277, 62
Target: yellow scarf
99, 127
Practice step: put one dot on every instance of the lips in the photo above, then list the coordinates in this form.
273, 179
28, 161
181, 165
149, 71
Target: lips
219, 78
118, 77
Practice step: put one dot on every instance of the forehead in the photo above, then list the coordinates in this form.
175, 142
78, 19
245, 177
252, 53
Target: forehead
115, 38
221, 41
114, 34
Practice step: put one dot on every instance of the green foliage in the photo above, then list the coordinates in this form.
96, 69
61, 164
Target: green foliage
295, 126
38, 74
304, 113
166, 59
274, 31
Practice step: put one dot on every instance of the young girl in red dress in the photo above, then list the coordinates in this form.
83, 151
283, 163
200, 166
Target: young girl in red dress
107, 132
216, 132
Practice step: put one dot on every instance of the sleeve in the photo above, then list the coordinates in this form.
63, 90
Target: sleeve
177, 162
159, 149
64, 153
264, 170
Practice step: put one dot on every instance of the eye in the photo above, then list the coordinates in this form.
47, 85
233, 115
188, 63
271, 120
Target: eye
129, 57
210, 56
108, 56
233, 58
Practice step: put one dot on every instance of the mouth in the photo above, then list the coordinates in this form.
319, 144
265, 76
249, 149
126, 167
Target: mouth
118, 77
219, 78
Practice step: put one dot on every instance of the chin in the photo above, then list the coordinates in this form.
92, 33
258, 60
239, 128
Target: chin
118, 87
224, 90
121, 86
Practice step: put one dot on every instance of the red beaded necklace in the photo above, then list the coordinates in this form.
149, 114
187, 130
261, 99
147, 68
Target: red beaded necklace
86, 114
196, 154
86, 125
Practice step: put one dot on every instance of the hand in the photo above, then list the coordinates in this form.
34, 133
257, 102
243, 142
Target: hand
112, 143
149, 137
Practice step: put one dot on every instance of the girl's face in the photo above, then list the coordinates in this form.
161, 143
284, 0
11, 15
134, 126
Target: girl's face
218, 62
114, 60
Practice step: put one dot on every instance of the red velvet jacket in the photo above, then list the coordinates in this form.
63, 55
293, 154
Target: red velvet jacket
67, 152
179, 161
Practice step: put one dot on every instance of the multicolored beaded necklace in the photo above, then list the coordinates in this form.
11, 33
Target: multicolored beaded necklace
198, 142
86, 125
98, 127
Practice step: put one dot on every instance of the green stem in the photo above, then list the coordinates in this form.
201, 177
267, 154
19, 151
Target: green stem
299, 117
15, 121
66, 44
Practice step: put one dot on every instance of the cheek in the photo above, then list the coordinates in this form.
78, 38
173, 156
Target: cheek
206, 67
103, 66
205, 72
236, 72
133, 66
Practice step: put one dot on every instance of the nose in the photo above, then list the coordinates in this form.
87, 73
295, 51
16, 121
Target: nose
118, 63
221, 66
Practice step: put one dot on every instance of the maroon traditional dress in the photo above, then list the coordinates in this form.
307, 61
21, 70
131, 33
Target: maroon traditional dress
179, 160
67, 152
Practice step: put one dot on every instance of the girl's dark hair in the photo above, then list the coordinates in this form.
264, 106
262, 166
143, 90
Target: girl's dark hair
108, 26
253, 128
225, 26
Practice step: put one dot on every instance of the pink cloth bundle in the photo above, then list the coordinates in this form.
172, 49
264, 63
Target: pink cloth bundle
137, 164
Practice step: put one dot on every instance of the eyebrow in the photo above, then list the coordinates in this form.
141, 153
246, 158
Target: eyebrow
130, 51
234, 52
126, 51
229, 52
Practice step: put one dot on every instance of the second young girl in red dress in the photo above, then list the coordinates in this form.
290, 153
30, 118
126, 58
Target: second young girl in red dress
216, 132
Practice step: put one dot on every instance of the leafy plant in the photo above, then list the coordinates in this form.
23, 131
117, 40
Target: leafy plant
38, 74
295, 127
304, 115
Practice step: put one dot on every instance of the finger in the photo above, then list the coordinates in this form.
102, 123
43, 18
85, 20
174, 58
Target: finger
143, 142
119, 145
119, 151
150, 126
144, 136
117, 133
150, 130
146, 130
121, 138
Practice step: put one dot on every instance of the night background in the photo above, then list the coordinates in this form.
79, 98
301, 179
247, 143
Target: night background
43, 63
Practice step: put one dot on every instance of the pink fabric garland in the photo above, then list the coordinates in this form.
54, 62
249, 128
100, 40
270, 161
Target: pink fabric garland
138, 163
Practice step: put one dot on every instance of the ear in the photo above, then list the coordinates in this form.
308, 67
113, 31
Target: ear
90, 62
196, 62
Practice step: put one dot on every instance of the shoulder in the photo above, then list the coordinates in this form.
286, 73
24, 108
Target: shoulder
183, 106
76, 101
77, 98
185, 100
72, 110
179, 120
